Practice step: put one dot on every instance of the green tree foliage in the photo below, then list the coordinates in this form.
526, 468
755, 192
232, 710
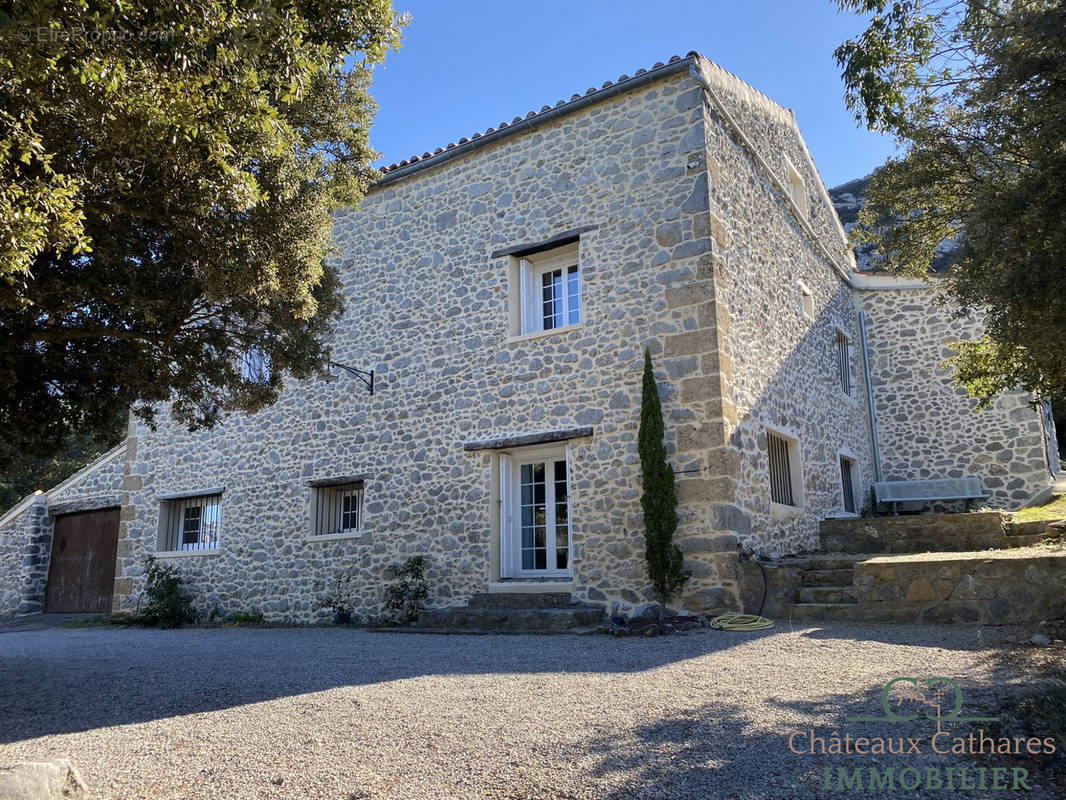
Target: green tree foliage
975, 91
25, 473
168, 171
659, 500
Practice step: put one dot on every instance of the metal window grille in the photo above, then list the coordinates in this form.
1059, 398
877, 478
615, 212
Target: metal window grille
191, 523
844, 362
338, 509
847, 484
780, 469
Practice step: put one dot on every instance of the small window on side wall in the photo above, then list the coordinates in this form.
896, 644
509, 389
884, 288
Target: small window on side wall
337, 510
786, 474
190, 523
844, 362
797, 189
546, 290
847, 483
806, 300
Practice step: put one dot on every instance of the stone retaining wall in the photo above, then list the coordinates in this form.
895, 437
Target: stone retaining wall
998, 588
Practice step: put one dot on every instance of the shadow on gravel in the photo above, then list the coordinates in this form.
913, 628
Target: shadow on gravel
63, 681
701, 752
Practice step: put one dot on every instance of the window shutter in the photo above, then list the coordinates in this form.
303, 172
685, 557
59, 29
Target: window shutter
529, 298
507, 520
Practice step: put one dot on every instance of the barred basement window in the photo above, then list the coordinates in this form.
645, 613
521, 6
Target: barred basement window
847, 483
786, 487
844, 361
190, 523
337, 509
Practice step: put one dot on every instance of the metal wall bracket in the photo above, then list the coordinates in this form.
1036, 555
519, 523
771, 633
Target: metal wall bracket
367, 377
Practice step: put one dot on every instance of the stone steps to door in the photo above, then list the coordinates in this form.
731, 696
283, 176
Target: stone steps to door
826, 594
798, 612
467, 619
828, 577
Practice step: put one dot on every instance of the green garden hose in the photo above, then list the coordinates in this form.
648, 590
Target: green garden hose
740, 622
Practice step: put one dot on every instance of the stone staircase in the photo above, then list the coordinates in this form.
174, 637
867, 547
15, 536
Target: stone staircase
515, 612
826, 587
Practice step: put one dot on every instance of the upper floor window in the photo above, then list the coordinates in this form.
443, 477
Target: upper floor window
547, 292
844, 362
190, 523
797, 188
255, 365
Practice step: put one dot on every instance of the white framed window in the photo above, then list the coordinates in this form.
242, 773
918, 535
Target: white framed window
190, 523
848, 483
843, 343
806, 300
535, 518
797, 189
547, 291
337, 509
786, 470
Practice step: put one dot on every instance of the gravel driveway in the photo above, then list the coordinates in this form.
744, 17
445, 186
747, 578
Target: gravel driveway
337, 714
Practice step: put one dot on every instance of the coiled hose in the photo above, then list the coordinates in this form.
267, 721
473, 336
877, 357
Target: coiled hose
740, 622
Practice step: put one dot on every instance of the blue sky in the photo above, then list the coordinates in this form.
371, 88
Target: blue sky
466, 66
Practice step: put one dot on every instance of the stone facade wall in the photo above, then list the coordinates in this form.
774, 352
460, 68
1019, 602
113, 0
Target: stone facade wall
927, 427
779, 367
427, 309
999, 588
26, 538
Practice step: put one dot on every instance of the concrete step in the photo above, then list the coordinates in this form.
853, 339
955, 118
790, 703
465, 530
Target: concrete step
511, 620
823, 612
826, 594
819, 562
521, 600
828, 577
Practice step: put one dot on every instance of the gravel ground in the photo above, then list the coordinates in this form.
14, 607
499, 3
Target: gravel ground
341, 714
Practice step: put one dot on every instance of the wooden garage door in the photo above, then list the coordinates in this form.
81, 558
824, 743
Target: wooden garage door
81, 576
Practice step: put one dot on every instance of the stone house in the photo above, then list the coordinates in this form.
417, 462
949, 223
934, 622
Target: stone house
503, 289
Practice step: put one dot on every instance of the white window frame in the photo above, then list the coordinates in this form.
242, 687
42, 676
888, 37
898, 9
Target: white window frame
795, 472
526, 293
511, 463
797, 189
853, 460
844, 359
173, 515
806, 300
328, 515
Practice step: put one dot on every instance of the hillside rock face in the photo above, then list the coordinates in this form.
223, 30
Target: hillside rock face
848, 200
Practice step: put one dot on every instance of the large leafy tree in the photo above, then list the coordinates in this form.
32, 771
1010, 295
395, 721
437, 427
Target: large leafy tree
975, 91
168, 171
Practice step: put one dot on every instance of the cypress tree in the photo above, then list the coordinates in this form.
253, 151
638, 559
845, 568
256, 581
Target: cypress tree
659, 499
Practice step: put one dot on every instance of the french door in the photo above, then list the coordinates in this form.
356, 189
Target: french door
535, 521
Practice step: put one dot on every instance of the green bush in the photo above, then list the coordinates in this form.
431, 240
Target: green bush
404, 598
169, 605
246, 618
